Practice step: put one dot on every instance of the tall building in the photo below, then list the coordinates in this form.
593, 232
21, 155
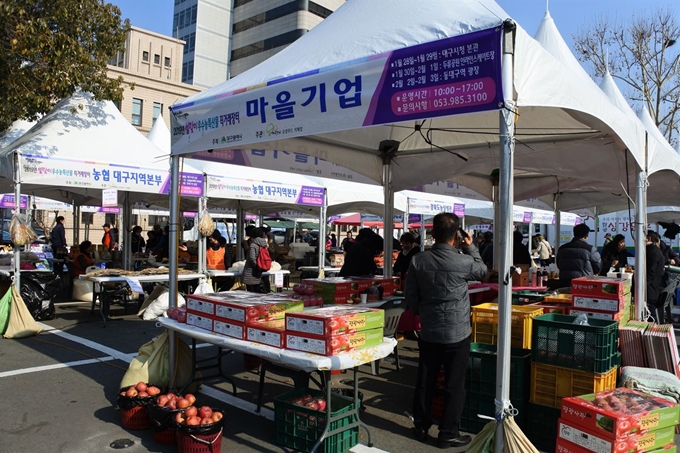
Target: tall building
227, 37
152, 63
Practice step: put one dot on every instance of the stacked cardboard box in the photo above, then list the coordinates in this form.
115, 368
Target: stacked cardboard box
243, 315
333, 330
339, 290
601, 298
617, 421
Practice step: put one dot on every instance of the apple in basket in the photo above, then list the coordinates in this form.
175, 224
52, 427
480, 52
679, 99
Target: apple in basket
207, 421
141, 386
172, 404
217, 416
131, 392
321, 404
182, 403
190, 411
179, 418
153, 390
191, 398
193, 421
162, 400
205, 412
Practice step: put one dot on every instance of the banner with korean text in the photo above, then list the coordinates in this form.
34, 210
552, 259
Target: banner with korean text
245, 189
450, 76
56, 171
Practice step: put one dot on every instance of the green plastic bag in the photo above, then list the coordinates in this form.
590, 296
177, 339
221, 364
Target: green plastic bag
5, 304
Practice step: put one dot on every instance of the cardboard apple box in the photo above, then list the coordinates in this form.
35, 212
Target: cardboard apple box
267, 332
334, 345
330, 321
599, 286
593, 442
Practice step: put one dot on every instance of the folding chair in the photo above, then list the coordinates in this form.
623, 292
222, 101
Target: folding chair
393, 311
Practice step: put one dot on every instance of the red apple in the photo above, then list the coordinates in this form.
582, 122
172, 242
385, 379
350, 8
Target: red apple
190, 411
191, 398
217, 416
321, 404
312, 405
141, 386
131, 393
142, 394
162, 400
172, 396
193, 421
207, 421
153, 390
172, 404
205, 412
182, 403
179, 418
122, 393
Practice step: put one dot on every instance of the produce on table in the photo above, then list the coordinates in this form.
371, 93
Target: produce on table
178, 314
316, 403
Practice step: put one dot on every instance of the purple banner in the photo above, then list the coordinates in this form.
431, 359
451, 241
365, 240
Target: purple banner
527, 217
446, 77
414, 218
311, 196
107, 210
459, 209
191, 184
7, 201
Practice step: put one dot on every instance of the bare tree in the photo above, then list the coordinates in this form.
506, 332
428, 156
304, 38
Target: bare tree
642, 53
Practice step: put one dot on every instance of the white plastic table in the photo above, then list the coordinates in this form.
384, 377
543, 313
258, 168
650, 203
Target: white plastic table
298, 360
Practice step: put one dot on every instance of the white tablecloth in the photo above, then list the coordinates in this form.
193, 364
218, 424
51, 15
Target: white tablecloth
142, 278
292, 359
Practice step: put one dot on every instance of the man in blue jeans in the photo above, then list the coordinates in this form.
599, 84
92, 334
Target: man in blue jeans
436, 288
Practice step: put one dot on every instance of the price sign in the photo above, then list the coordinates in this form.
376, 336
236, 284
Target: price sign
134, 285
110, 198
278, 280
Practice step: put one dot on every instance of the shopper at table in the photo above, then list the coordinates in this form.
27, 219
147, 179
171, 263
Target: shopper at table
408, 251
252, 278
360, 259
110, 238
577, 258
347, 242
151, 240
542, 249
655, 271
217, 256
437, 290
614, 255
82, 259
520, 251
137, 242
58, 238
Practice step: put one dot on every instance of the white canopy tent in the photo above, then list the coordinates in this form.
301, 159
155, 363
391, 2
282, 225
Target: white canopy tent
420, 129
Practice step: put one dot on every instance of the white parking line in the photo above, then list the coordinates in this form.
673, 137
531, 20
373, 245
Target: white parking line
55, 366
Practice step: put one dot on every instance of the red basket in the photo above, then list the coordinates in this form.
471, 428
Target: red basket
136, 418
199, 443
165, 436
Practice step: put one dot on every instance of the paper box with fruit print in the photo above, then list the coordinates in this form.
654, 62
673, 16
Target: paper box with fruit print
330, 321
259, 307
620, 412
334, 345
596, 442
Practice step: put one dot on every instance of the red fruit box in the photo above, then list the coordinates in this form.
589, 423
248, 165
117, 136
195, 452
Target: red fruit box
333, 345
610, 304
330, 321
563, 446
389, 285
229, 329
621, 412
265, 307
199, 306
587, 441
338, 285
267, 332
606, 315
599, 286
340, 299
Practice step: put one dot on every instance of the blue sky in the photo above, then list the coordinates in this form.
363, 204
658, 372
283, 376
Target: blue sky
569, 15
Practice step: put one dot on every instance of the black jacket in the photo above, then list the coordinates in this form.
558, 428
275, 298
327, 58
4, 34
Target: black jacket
58, 236
577, 259
359, 260
610, 252
403, 261
655, 271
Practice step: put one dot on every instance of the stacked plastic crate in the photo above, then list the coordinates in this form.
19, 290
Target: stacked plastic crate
480, 383
568, 359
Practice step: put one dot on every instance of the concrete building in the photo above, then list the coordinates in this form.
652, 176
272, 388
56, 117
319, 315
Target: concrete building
225, 38
153, 64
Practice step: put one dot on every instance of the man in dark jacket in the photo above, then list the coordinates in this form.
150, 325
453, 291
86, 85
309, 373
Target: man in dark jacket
436, 288
578, 258
655, 271
58, 237
360, 259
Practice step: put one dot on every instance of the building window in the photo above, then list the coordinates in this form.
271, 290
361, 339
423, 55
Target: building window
110, 219
145, 56
157, 110
185, 18
319, 10
118, 60
189, 43
188, 72
137, 112
86, 218
267, 44
166, 62
156, 59
238, 3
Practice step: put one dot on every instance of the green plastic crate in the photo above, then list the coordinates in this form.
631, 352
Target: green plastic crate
542, 430
556, 340
480, 387
299, 427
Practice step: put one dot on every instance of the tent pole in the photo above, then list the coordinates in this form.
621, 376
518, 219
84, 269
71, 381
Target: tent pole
423, 234
74, 214
172, 255
531, 234
202, 205
404, 222
597, 224
322, 235
127, 228
496, 227
240, 231
388, 149
558, 222
504, 253
17, 206
641, 240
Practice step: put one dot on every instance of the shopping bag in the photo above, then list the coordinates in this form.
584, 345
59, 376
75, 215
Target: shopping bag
21, 324
5, 303
152, 365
